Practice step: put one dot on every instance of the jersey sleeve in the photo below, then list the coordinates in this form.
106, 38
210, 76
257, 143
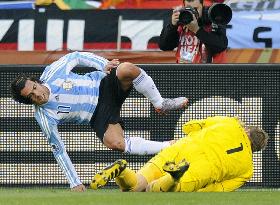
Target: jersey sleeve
89, 60
50, 131
65, 64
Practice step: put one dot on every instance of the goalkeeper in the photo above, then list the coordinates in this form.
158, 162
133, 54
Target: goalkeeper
215, 156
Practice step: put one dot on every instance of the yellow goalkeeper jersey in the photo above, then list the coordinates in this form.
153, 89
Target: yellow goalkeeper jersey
226, 145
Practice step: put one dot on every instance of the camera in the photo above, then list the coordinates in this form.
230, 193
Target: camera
186, 15
218, 13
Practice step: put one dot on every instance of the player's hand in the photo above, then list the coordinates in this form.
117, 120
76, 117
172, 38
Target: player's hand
175, 17
111, 64
79, 188
193, 25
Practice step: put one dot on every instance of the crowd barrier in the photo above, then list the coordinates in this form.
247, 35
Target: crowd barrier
148, 57
250, 92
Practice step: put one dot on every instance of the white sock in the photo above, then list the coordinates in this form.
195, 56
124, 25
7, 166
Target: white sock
144, 84
140, 146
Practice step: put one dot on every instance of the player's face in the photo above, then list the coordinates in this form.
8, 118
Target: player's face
38, 93
195, 4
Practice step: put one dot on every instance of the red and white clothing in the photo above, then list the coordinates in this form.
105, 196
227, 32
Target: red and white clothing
208, 45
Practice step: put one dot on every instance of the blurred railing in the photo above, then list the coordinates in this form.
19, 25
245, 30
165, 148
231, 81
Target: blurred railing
47, 57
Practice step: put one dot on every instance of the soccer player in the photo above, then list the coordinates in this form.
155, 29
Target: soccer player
61, 95
215, 156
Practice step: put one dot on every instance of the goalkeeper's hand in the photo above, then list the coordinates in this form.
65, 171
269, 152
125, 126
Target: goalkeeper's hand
79, 188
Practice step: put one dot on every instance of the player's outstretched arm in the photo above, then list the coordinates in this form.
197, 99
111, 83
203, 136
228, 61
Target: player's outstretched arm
50, 131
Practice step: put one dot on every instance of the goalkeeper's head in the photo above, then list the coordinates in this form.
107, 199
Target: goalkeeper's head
258, 138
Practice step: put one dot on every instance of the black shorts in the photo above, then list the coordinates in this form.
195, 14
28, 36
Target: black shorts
111, 98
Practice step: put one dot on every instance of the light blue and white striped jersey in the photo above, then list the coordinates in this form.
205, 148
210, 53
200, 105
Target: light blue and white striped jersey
73, 98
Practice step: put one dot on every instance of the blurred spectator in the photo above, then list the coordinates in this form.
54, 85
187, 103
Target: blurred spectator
140, 4
198, 40
65, 4
106, 4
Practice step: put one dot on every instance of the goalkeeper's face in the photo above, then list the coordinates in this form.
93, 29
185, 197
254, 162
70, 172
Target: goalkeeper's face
38, 93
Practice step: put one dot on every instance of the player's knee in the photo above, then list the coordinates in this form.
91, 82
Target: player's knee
137, 188
141, 184
127, 70
114, 143
151, 188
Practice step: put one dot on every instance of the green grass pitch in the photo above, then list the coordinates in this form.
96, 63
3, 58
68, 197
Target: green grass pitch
13, 196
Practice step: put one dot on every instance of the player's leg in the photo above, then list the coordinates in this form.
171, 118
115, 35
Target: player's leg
129, 74
199, 174
170, 180
125, 178
152, 170
128, 180
114, 139
108, 173
108, 125
157, 165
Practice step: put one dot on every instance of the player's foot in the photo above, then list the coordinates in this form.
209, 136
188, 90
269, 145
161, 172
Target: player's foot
176, 170
172, 104
108, 173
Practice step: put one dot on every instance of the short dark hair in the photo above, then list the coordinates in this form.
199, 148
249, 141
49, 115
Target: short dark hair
18, 84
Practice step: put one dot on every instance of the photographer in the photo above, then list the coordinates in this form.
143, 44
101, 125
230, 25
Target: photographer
198, 40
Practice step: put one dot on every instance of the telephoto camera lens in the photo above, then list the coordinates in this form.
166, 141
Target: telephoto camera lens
220, 14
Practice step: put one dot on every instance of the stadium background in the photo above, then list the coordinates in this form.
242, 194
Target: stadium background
250, 92
40, 35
